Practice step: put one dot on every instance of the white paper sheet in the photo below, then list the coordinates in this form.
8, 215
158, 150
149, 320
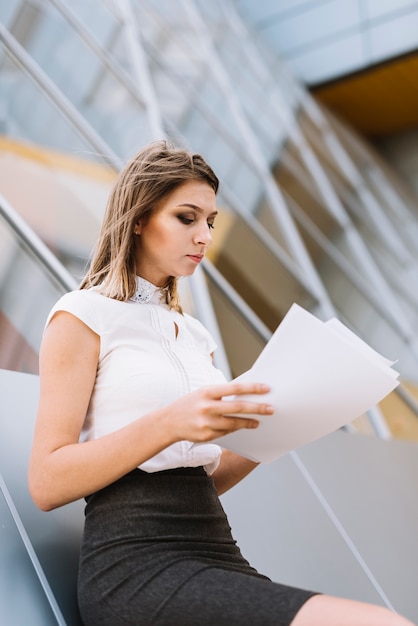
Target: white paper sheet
321, 376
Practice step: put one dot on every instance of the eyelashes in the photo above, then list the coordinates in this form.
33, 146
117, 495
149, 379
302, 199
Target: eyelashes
185, 220
189, 220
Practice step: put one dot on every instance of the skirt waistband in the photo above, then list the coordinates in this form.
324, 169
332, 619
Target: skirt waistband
177, 471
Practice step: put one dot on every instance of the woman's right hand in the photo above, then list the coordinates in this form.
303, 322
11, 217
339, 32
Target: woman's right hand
211, 412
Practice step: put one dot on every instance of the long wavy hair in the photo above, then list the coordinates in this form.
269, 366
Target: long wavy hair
144, 182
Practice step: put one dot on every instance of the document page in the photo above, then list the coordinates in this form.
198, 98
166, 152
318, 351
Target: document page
321, 375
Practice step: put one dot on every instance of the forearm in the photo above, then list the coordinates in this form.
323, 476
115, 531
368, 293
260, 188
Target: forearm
231, 470
75, 470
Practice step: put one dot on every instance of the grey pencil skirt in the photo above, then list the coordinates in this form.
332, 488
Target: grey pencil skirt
157, 550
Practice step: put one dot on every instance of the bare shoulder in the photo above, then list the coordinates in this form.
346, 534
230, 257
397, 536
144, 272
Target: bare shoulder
67, 338
68, 365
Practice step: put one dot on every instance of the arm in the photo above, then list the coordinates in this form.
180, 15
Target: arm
231, 470
62, 469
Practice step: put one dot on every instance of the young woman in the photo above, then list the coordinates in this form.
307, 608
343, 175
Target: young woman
127, 386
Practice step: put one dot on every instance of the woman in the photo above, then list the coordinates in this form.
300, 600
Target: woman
127, 386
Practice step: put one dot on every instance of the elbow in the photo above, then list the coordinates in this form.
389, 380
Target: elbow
40, 494
45, 506
43, 502
40, 500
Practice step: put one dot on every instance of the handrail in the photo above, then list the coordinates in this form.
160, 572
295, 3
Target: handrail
37, 246
55, 95
46, 588
116, 69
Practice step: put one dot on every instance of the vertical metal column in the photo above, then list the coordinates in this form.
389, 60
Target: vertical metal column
140, 70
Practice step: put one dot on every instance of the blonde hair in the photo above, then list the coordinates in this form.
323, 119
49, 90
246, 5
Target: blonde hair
147, 178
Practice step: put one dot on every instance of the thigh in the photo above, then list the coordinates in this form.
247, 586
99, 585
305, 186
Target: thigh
331, 611
221, 597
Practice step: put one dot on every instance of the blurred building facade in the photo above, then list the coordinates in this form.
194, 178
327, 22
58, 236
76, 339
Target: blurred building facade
359, 58
310, 213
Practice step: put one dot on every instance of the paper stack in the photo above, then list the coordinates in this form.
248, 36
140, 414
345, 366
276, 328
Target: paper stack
321, 376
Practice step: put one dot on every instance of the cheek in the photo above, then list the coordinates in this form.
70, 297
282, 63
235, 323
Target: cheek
165, 238
170, 234
156, 237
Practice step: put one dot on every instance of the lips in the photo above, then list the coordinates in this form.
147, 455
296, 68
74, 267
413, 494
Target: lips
196, 258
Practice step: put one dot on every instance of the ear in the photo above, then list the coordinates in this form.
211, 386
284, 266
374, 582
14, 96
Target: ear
137, 228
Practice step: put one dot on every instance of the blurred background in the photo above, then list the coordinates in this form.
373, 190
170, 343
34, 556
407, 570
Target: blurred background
308, 112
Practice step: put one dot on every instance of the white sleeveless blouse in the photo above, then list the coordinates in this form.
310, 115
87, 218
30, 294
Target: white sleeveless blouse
149, 356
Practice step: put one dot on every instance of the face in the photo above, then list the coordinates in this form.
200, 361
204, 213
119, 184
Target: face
176, 237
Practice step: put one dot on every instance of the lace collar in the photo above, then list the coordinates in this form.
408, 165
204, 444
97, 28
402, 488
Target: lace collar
147, 292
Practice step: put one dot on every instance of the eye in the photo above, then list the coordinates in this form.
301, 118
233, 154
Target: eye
185, 220
211, 225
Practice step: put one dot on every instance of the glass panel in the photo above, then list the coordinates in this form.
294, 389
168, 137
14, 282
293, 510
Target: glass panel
295, 30
362, 314
7, 11
29, 114
378, 8
330, 59
255, 96
98, 93
254, 271
22, 597
102, 21
394, 37
23, 282
241, 343
261, 12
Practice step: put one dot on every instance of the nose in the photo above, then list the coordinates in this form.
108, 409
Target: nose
203, 235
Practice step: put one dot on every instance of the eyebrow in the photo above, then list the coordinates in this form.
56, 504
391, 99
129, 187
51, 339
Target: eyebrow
196, 208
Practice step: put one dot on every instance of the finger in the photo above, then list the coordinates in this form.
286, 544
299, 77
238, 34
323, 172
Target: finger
236, 388
228, 424
230, 407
